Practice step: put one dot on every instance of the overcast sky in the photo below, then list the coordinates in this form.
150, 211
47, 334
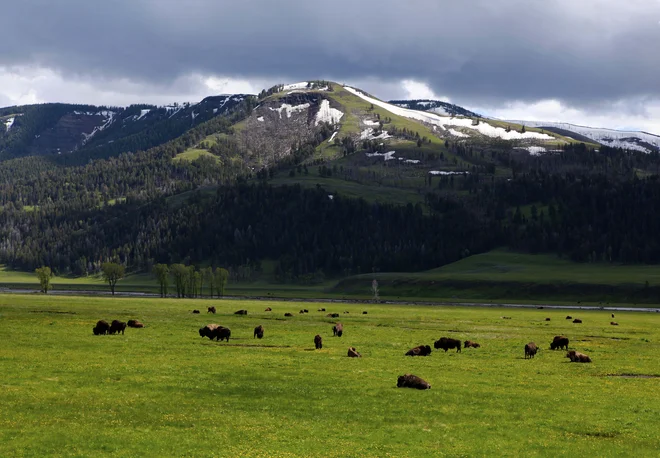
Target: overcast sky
594, 62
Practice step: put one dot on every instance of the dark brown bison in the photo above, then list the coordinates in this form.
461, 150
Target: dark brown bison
222, 333
469, 343
568, 317
208, 331
547, 319
412, 381
268, 309
102, 327
421, 350
338, 330
195, 311
560, 342
506, 317
614, 323
333, 315
301, 312
210, 310
364, 313
322, 310
530, 350
305, 311
613, 315
259, 332
134, 324
353, 353
117, 327
288, 314
318, 342
346, 311
240, 312
577, 320
577, 357
446, 343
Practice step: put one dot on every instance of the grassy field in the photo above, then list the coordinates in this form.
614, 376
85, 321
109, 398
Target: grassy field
163, 390
193, 154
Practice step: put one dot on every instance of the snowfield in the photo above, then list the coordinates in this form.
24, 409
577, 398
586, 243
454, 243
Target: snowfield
442, 172
386, 156
456, 133
332, 138
609, 137
294, 86
368, 134
328, 114
441, 121
8, 123
368, 122
143, 113
290, 109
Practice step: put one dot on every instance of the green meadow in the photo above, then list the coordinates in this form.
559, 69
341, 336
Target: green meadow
164, 391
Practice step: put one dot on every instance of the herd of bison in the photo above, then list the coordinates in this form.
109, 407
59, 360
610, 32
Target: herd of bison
214, 331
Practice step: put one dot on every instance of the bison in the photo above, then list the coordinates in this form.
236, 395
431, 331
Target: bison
577, 320
268, 309
613, 315
421, 350
338, 330
259, 332
318, 342
134, 324
117, 327
560, 342
195, 311
210, 310
364, 313
208, 331
346, 311
469, 343
301, 311
305, 311
353, 353
530, 350
614, 323
568, 317
577, 357
333, 315
102, 327
322, 310
446, 343
547, 319
288, 314
240, 312
222, 333
412, 381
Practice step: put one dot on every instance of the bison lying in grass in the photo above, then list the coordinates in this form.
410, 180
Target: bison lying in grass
614, 323
259, 332
577, 357
421, 350
134, 324
530, 350
240, 312
412, 381
353, 353
318, 342
102, 327
560, 342
469, 343
446, 343
577, 320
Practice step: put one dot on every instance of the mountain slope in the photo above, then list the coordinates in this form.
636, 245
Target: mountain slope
435, 106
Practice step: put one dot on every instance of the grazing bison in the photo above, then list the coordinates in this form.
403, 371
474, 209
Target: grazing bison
195, 311
259, 332
333, 315
288, 314
318, 342
569, 317
530, 350
117, 327
560, 342
613, 315
338, 330
614, 323
412, 381
446, 343
577, 320
353, 353
547, 319
322, 310
422, 350
240, 312
469, 343
208, 331
222, 333
134, 324
302, 311
577, 357
305, 310
102, 327
268, 309
210, 310
364, 313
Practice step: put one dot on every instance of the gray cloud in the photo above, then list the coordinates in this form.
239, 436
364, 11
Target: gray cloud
482, 52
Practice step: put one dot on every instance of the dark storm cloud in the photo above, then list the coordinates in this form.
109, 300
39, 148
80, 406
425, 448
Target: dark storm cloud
478, 51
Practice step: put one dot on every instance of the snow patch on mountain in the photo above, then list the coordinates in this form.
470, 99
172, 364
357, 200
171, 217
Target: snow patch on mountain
143, 113
609, 137
8, 123
290, 109
533, 150
332, 138
110, 117
456, 133
368, 122
437, 120
386, 156
328, 114
368, 134
294, 86
443, 172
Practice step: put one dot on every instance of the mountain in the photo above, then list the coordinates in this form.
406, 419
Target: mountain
632, 140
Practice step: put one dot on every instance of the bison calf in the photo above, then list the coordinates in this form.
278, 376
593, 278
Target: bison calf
318, 342
469, 343
577, 357
614, 323
530, 350
338, 330
195, 311
134, 324
412, 381
259, 331
268, 309
446, 343
353, 353
117, 327
560, 342
421, 350
577, 320
102, 327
